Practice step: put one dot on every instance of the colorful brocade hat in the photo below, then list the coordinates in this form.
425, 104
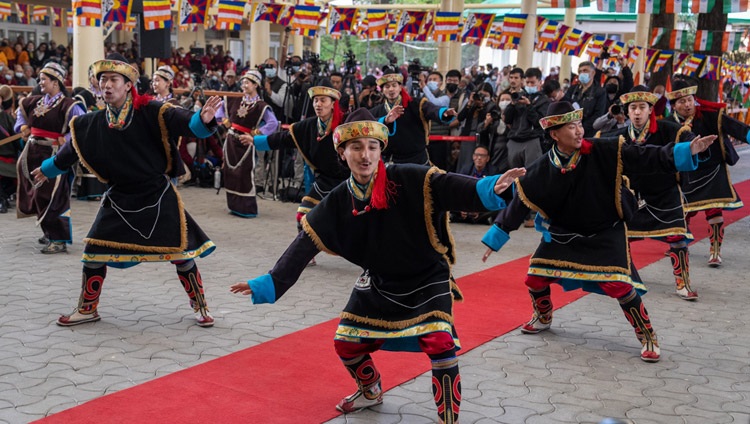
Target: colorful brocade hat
54, 70
322, 90
116, 63
560, 113
252, 75
680, 89
395, 77
639, 93
165, 72
358, 124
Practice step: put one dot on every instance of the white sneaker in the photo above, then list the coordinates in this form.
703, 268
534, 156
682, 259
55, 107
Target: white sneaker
359, 400
536, 325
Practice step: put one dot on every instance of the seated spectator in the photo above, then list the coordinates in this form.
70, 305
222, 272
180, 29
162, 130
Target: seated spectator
479, 169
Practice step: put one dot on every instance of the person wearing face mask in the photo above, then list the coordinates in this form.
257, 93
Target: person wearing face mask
617, 85
274, 91
589, 95
472, 117
9, 151
499, 140
431, 88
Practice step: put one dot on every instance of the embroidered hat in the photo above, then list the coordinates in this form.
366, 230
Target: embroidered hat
6, 93
54, 70
116, 63
560, 113
680, 89
639, 93
396, 77
322, 90
165, 72
252, 75
358, 124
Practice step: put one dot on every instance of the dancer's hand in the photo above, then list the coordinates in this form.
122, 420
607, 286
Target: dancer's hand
394, 114
700, 144
241, 288
506, 180
486, 254
39, 177
208, 111
246, 140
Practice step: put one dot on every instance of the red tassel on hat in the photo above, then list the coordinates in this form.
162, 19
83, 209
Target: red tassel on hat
138, 100
382, 189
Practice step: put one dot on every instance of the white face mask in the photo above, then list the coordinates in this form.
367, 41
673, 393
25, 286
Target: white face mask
432, 85
503, 104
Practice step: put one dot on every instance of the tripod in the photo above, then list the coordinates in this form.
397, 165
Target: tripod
349, 85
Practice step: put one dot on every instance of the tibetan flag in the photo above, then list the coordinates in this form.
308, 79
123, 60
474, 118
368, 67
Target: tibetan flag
341, 20
229, 16
649, 6
88, 12
377, 24
4, 10
57, 17
116, 10
477, 26
39, 13
711, 69
446, 26
656, 35
157, 14
676, 6
703, 6
732, 6
662, 59
129, 26
267, 12
732, 41
568, 4
410, 22
678, 60
194, 11
619, 6
306, 19
703, 40
692, 64
513, 25
23, 13
678, 40
286, 15
425, 30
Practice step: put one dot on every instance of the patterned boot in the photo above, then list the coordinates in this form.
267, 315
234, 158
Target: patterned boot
369, 392
91, 289
680, 269
637, 316
191, 281
446, 386
542, 317
716, 236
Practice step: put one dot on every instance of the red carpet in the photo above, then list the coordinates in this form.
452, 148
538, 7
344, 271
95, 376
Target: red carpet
268, 384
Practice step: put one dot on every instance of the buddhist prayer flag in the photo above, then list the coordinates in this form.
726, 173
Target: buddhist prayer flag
4, 10
703, 40
306, 19
634, 54
649, 6
662, 59
69, 19
656, 35
676, 6
513, 24
286, 15
678, 40
732, 41
267, 12
116, 10
732, 6
23, 13
692, 63
703, 6
595, 46
569, 3
711, 69
157, 14
477, 25
377, 24
88, 12
446, 26
194, 11
619, 6
229, 16
39, 13
341, 20
548, 33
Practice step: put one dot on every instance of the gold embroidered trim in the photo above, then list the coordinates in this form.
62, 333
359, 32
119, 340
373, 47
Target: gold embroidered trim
299, 148
429, 225
74, 139
527, 202
314, 237
618, 178
582, 276
567, 264
425, 123
165, 135
397, 325
675, 231
192, 254
67, 115
713, 203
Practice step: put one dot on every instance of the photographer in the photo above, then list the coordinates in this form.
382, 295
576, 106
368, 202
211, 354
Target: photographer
274, 89
337, 82
472, 116
614, 119
617, 85
370, 97
438, 150
589, 96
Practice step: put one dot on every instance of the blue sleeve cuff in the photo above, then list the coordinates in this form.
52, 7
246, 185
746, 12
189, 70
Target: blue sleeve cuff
486, 192
49, 169
261, 143
198, 127
442, 112
683, 159
382, 121
495, 238
263, 289
747, 137
542, 225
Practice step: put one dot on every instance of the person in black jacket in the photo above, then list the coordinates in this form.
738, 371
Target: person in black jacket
589, 95
522, 116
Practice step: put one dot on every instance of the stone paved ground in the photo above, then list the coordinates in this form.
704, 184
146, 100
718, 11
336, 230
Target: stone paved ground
584, 369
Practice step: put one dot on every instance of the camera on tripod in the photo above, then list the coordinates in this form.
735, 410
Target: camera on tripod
351, 62
313, 59
262, 68
415, 68
292, 66
391, 67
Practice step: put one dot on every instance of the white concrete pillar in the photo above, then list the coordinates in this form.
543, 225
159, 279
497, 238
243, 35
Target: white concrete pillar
316, 45
88, 47
641, 39
526, 47
260, 37
565, 69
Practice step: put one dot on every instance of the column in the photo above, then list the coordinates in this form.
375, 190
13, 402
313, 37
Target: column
570, 20
261, 39
641, 39
88, 47
526, 48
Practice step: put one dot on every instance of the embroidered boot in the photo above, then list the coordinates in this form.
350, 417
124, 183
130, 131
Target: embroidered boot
191, 281
91, 290
446, 387
637, 316
680, 269
716, 236
369, 392
542, 317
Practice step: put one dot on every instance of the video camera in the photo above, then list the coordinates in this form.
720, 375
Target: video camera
517, 95
290, 64
415, 68
616, 110
313, 59
391, 66
262, 68
351, 62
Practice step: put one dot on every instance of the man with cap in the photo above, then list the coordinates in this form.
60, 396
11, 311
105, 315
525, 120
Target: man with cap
393, 224
246, 116
313, 138
9, 150
230, 82
408, 121
43, 121
709, 188
142, 217
578, 191
660, 212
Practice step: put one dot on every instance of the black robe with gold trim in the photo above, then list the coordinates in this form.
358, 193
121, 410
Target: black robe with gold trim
142, 217
409, 143
406, 251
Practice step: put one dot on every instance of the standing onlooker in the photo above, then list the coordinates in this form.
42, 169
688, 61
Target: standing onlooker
230, 82
432, 90
589, 95
471, 118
